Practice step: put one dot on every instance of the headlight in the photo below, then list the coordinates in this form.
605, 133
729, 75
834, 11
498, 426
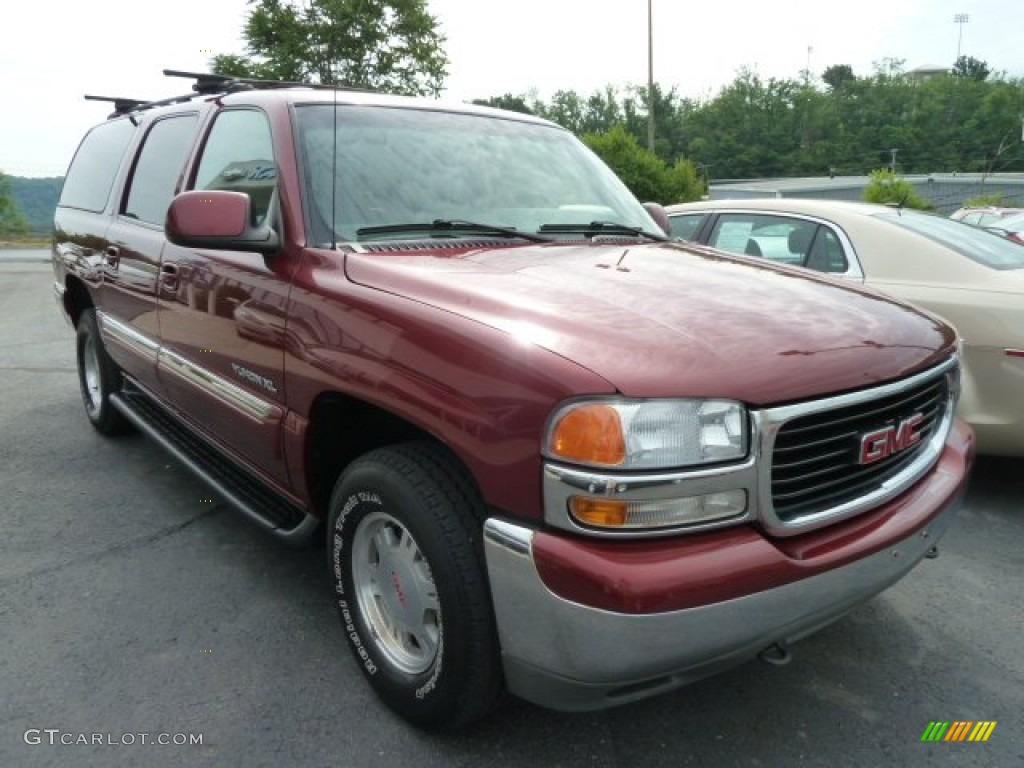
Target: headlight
648, 434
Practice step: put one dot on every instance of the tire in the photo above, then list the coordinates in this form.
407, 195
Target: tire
98, 378
405, 552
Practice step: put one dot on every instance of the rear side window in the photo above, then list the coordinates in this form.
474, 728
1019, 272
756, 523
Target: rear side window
158, 168
91, 175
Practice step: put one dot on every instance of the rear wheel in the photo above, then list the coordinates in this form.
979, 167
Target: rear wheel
98, 377
409, 577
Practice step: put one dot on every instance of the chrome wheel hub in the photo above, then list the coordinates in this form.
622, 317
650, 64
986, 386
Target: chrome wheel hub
91, 376
396, 592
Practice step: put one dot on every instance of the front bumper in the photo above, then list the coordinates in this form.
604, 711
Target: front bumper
565, 654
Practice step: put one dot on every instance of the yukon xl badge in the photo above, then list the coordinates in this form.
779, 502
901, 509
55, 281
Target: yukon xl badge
884, 442
254, 378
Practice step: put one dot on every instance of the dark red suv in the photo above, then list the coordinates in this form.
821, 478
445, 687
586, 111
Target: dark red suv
549, 450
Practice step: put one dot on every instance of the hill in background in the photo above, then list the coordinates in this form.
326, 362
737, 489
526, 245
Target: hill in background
37, 199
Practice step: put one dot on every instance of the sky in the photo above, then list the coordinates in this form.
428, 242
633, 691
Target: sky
52, 52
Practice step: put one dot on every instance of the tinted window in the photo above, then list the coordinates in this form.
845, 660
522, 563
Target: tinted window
976, 244
238, 156
157, 170
95, 164
685, 225
827, 253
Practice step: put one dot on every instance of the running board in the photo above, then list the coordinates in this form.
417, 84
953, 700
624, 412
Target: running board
269, 510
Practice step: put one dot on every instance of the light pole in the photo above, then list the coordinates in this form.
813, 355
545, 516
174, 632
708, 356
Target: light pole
961, 19
650, 77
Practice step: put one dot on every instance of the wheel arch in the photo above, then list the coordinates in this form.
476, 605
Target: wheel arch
76, 298
341, 429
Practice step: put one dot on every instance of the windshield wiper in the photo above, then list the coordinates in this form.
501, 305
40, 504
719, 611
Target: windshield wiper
602, 228
450, 226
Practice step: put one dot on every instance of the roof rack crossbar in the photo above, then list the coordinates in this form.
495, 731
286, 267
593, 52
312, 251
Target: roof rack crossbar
122, 105
220, 83
206, 84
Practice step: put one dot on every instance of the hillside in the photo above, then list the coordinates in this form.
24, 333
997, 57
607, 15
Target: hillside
37, 199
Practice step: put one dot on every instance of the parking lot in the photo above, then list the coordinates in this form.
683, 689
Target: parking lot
133, 601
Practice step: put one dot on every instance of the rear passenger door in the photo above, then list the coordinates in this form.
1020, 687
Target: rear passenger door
222, 313
131, 261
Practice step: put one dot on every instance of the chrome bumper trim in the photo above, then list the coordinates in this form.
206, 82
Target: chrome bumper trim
564, 655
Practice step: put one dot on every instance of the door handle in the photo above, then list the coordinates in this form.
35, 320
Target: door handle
169, 276
111, 256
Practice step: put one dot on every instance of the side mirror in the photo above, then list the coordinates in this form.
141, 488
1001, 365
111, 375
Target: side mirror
217, 219
657, 212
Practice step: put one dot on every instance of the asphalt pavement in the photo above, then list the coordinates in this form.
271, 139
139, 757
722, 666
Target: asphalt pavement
132, 601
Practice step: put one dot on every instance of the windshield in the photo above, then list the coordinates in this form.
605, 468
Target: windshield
1013, 223
976, 244
402, 166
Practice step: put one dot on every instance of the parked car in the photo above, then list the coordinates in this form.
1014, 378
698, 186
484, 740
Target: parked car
970, 277
550, 449
984, 216
1012, 227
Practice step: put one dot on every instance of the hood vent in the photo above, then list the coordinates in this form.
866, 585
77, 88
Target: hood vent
461, 244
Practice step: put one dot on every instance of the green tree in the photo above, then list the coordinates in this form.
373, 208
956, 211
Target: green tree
12, 220
885, 187
968, 66
838, 75
648, 177
508, 101
388, 45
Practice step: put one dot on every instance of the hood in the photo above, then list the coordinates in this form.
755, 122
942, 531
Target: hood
666, 320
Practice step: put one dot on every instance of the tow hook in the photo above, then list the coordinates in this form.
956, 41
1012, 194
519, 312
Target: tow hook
776, 654
932, 553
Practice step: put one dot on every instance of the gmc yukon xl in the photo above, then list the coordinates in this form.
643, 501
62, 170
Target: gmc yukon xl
549, 450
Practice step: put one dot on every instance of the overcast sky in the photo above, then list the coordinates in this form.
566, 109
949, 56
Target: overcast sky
52, 52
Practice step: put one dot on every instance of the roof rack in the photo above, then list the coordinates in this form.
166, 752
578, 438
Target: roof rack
206, 84
122, 105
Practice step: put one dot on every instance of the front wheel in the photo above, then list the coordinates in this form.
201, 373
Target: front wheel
405, 525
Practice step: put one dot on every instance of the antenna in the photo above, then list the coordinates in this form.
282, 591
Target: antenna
334, 174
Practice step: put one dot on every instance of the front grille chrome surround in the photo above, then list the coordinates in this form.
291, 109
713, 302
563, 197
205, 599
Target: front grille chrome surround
810, 475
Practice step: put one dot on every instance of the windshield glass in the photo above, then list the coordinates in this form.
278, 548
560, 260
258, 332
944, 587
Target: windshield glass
1013, 223
401, 166
977, 244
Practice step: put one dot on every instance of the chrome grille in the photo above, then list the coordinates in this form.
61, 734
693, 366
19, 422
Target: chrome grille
815, 455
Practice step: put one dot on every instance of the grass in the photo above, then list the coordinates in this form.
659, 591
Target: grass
27, 241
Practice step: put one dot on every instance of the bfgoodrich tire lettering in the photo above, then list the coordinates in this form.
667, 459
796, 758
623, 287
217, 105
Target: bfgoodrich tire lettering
98, 377
409, 579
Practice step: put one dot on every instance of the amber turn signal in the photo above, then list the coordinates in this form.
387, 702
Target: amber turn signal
591, 434
605, 513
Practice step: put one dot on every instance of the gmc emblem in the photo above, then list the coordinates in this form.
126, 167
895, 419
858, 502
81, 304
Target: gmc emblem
881, 443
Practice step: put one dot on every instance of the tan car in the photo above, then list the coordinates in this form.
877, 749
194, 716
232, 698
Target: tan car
970, 277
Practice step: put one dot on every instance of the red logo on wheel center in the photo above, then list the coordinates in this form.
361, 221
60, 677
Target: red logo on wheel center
396, 582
